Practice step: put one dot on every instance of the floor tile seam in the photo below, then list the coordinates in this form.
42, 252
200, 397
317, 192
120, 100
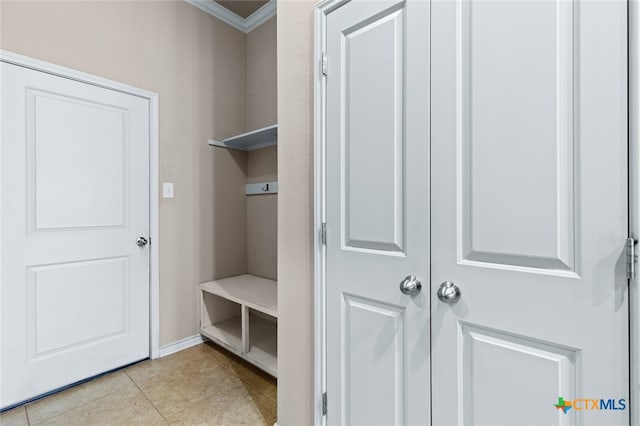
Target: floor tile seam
256, 405
23, 407
225, 368
275, 400
146, 397
239, 377
257, 389
243, 380
148, 381
158, 364
73, 408
202, 398
180, 410
191, 403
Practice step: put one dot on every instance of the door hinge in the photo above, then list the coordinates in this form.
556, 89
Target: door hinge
324, 404
323, 233
632, 257
323, 64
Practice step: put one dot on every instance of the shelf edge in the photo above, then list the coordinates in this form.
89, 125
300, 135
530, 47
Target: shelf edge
254, 132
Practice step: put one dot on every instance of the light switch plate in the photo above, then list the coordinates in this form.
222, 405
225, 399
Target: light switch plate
167, 190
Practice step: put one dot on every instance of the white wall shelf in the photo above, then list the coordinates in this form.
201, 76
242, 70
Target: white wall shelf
256, 139
240, 313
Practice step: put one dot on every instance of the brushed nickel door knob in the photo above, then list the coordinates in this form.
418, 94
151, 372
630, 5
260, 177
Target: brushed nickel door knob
449, 292
410, 285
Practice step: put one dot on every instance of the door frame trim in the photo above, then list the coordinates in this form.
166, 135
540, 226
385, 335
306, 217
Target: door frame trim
154, 224
322, 9
633, 29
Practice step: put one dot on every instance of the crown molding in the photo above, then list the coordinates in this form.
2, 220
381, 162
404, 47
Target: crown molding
260, 16
220, 12
247, 25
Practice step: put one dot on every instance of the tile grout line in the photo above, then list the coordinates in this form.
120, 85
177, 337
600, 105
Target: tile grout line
74, 408
196, 401
230, 371
26, 414
216, 391
230, 357
227, 364
202, 397
240, 378
249, 384
146, 397
258, 390
70, 409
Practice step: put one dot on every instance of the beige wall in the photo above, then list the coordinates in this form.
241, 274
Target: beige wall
262, 214
261, 76
261, 100
295, 218
197, 66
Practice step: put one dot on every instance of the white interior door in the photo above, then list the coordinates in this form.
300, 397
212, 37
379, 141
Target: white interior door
377, 213
75, 197
529, 219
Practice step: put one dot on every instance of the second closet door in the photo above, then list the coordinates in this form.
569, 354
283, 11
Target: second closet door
529, 217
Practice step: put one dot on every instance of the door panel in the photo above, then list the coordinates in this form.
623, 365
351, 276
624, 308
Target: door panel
99, 284
516, 99
487, 355
66, 136
373, 341
75, 196
377, 218
529, 188
373, 140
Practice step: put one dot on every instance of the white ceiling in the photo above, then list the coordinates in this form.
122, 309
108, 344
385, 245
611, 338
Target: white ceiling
257, 11
242, 8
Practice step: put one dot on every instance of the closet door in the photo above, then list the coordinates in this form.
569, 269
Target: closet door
529, 217
377, 213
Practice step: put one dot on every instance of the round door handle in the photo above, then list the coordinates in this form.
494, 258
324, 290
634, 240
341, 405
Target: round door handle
449, 292
410, 285
141, 242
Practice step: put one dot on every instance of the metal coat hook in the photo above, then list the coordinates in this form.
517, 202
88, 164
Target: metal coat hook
261, 188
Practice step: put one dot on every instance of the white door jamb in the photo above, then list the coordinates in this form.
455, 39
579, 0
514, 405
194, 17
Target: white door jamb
154, 267
322, 10
634, 200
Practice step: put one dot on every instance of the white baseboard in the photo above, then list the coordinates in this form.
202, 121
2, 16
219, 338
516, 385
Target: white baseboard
179, 345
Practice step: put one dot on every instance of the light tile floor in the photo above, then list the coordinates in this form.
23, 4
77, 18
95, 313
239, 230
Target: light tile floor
202, 385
